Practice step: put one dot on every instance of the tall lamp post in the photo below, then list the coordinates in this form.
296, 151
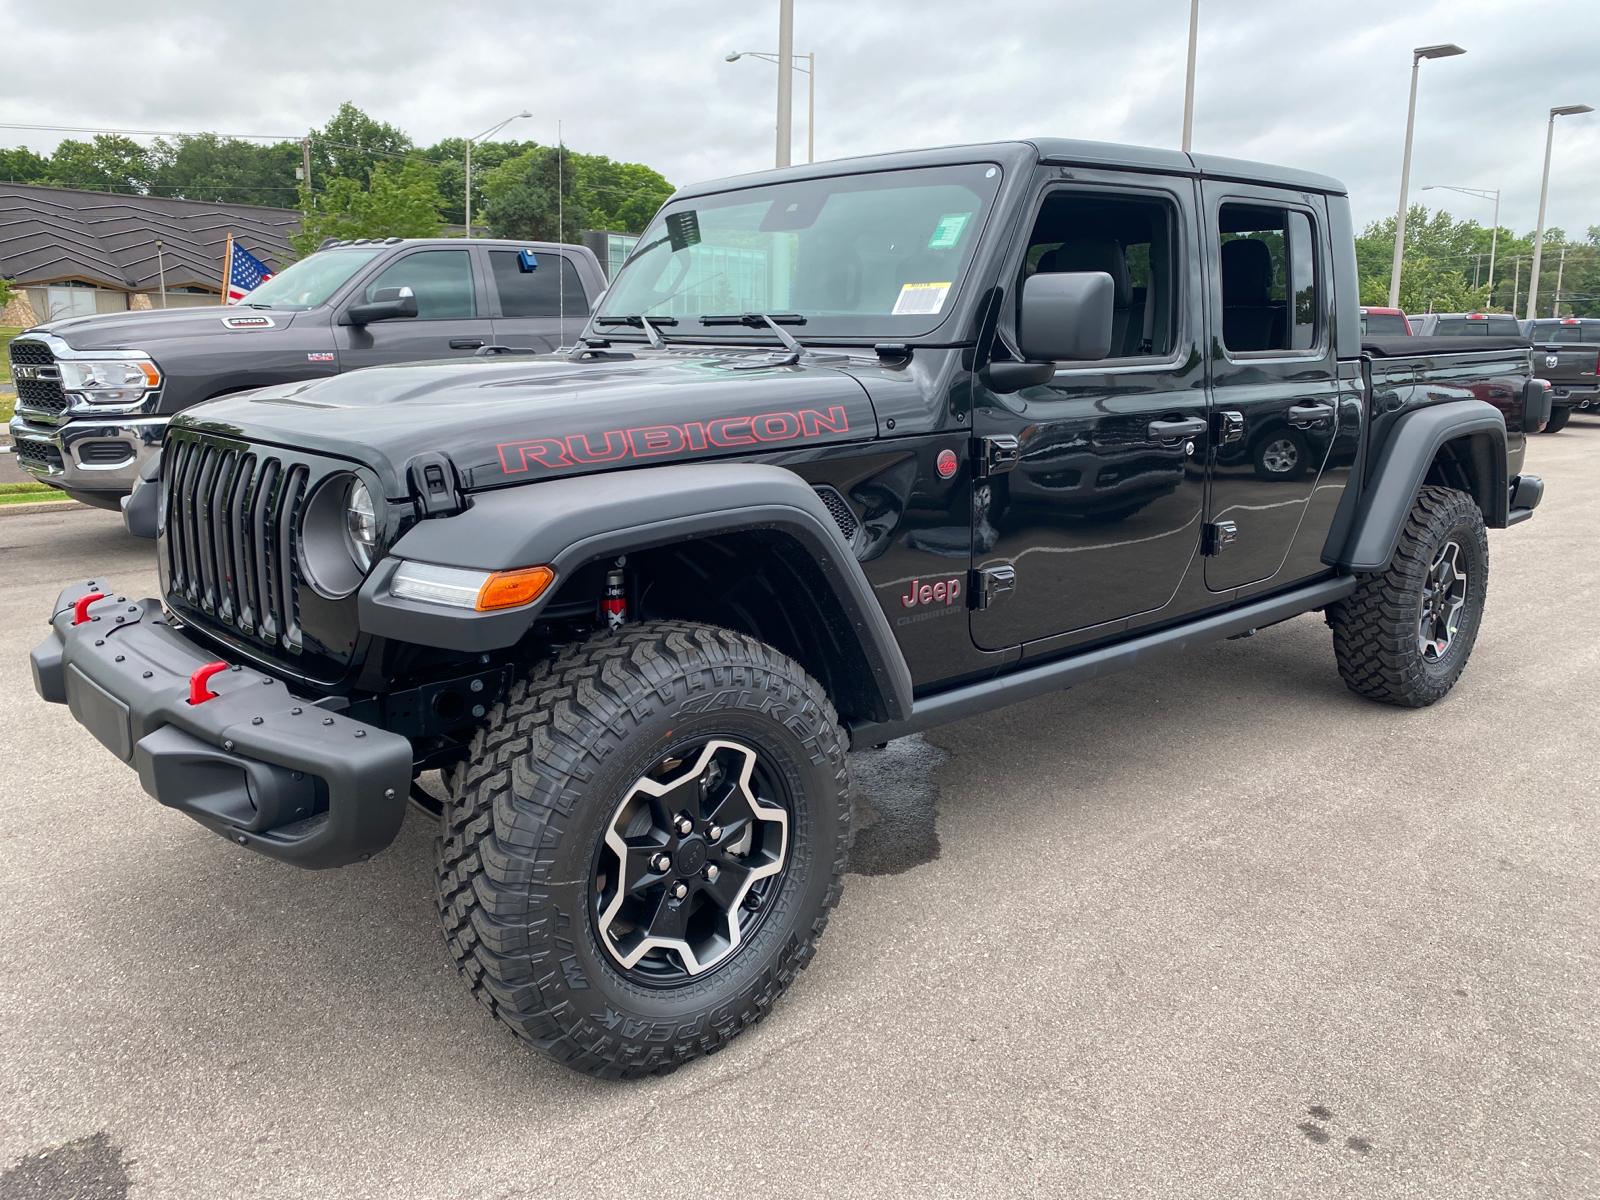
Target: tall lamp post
489, 132
1482, 194
1443, 50
1565, 110
810, 72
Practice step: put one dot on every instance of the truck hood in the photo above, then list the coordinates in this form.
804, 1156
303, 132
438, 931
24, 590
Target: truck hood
153, 329
510, 420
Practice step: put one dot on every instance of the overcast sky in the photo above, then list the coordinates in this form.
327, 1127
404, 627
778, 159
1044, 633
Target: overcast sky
1320, 85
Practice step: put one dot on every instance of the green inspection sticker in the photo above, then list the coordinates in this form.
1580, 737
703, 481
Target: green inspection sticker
948, 231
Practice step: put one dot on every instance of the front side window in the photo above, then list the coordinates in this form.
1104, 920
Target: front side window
870, 255
309, 282
441, 280
548, 290
1129, 238
1269, 278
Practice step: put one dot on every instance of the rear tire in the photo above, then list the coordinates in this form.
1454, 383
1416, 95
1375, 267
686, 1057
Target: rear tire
1404, 635
592, 792
1558, 420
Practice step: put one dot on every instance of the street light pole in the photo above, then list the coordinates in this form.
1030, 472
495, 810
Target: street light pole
1443, 50
493, 129
785, 81
1188, 82
809, 70
1565, 110
1494, 234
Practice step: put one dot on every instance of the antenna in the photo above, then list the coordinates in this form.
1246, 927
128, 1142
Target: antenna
561, 237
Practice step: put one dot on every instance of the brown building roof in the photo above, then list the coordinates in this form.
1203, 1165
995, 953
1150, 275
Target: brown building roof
48, 235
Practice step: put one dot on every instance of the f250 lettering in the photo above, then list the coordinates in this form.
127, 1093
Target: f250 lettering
654, 441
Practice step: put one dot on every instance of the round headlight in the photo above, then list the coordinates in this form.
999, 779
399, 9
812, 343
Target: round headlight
360, 524
338, 536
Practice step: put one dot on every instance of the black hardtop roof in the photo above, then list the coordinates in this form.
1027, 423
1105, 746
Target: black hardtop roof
1064, 151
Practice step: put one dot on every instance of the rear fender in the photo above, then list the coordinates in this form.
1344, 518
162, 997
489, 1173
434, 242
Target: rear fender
1467, 438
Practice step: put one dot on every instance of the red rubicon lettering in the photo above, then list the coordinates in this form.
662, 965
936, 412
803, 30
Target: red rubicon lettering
654, 441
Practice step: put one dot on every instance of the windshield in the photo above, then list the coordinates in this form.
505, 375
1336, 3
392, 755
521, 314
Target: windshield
855, 255
311, 280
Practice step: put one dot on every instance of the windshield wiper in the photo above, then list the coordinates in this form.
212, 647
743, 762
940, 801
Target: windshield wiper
639, 321
773, 321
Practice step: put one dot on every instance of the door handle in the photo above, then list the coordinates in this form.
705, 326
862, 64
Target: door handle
1183, 427
465, 343
1303, 416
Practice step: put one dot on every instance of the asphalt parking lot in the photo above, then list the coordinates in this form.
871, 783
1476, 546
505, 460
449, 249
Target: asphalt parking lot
1212, 928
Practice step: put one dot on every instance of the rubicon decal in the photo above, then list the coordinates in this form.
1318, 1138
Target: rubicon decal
945, 592
654, 441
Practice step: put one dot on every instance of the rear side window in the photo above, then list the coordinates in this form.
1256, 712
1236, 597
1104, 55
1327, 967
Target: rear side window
546, 291
1269, 278
441, 280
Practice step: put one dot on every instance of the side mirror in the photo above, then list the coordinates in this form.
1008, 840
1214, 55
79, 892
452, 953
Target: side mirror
1066, 316
387, 304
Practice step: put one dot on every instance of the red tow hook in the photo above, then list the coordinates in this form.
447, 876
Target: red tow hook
199, 693
80, 610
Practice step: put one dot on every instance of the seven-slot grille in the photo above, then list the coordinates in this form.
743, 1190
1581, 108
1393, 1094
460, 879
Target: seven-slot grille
232, 513
41, 394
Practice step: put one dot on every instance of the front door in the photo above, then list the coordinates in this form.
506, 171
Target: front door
1100, 516
452, 319
1275, 383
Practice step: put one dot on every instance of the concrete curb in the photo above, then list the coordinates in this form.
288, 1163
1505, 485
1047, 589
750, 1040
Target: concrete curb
17, 510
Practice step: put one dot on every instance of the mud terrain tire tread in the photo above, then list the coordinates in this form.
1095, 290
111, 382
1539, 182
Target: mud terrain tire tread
522, 786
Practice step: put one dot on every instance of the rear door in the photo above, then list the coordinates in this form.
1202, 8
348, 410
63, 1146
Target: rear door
452, 318
538, 298
1096, 505
1275, 384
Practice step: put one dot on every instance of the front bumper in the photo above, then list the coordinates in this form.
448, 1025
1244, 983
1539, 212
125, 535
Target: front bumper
269, 771
95, 458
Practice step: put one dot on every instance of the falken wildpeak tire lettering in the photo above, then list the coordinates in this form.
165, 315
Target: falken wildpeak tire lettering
541, 783
1375, 628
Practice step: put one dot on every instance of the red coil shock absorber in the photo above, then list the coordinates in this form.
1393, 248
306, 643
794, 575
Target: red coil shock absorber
615, 604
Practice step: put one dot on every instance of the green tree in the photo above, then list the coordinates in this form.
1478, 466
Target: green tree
207, 167
23, 166
352, 145
620, 196
451, 157
521, 198
6, 291
402, 201
110, 163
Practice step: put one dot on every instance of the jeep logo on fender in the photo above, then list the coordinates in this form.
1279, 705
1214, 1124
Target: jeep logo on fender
653, 441
946, 592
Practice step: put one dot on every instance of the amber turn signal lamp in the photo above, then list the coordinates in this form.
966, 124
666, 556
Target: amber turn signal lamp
508, 589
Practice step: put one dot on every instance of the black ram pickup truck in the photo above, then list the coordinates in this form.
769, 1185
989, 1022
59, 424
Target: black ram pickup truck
1566, 354
847, 451
95, 394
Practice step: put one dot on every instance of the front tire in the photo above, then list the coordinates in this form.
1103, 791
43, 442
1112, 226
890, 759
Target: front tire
644, 844
1404, 635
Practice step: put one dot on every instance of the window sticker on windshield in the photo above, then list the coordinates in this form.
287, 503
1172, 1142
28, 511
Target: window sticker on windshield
920, 299
948, 231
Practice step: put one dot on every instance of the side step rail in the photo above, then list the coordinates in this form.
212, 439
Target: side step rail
973, 698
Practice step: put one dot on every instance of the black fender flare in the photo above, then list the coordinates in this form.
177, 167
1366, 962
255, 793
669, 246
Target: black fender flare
567, 523
1413, 443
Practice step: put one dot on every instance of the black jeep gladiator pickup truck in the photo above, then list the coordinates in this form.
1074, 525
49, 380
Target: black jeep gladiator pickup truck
95, 394
848, 450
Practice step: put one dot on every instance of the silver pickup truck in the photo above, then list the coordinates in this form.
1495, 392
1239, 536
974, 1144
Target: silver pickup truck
94, 394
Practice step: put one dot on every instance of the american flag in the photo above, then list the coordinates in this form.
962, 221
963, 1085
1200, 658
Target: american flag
246, 272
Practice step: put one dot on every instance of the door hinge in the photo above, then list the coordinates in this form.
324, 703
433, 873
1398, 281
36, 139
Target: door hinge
1229, 428
990, 583
1219, 536
994, 455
